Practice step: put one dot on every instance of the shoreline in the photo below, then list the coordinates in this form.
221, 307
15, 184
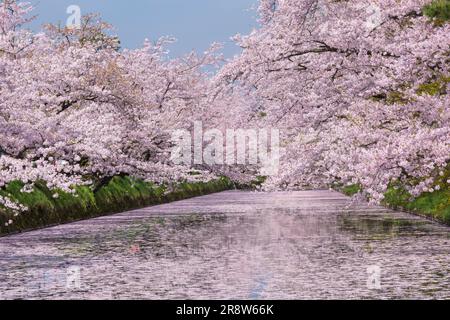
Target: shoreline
119, 195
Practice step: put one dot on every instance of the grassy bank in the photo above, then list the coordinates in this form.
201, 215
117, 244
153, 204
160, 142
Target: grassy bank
438, 10
119, 194
434, 205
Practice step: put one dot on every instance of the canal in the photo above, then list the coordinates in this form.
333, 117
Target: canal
234, 245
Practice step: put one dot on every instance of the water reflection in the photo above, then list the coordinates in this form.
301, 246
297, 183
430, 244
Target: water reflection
239, 245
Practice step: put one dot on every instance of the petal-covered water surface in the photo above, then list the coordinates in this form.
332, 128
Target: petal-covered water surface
234, 245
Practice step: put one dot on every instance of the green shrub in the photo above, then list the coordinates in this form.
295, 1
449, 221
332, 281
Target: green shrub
434, 88
433, 204
351, 190
439, 10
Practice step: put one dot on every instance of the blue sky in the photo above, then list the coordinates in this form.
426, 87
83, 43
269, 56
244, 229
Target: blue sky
195, 23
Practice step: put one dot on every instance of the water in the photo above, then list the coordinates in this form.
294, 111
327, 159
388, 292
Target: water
234, 245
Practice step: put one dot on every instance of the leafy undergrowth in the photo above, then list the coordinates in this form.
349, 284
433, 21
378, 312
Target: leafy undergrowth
439, 10
254, 184
49, 207
435, 205
351, 190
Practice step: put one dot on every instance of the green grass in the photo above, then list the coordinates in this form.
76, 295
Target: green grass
434, 88
439, 10
254, 184
351, 190
120, 194
435, 205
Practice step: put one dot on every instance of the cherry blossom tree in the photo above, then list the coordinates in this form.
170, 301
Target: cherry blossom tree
76, 110
358, 89
343, 81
